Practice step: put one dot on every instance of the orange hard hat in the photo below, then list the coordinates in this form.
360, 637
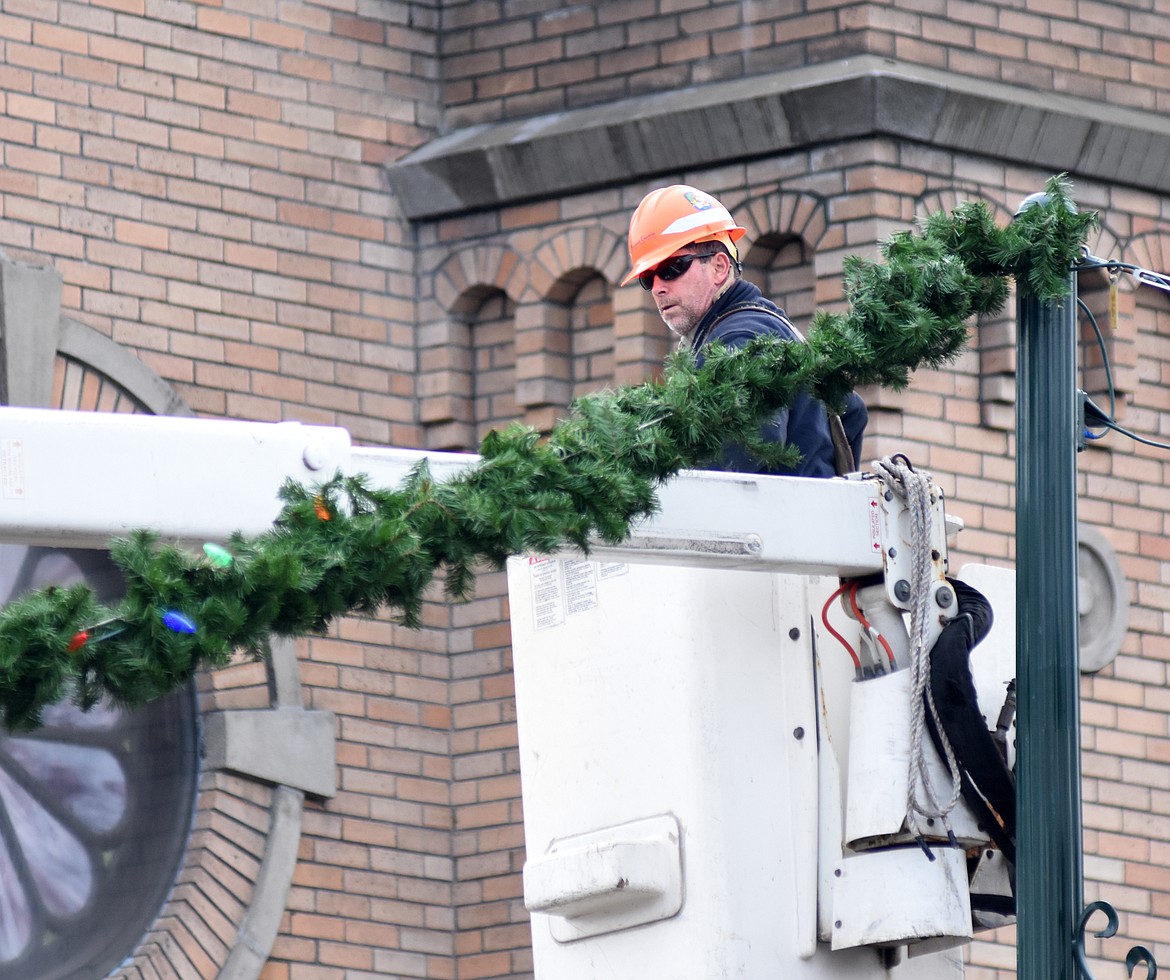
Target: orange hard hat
674, 216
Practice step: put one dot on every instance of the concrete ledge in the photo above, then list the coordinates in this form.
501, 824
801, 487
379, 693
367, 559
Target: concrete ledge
30, 309
491, 166
286, 746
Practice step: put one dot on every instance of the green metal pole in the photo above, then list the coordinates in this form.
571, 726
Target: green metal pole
1048, 870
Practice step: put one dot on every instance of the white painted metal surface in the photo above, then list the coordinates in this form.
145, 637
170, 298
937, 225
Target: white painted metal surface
734, 520
611, 879
887, 897
879, 769
196, 479
79, 478
646, 691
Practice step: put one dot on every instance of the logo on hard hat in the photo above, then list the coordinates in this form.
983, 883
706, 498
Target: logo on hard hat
700, 201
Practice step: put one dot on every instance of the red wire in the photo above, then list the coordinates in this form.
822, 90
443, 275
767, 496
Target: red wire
829, 626
865, 622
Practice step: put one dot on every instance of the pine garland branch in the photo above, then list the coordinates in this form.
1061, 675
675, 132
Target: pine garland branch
345, 546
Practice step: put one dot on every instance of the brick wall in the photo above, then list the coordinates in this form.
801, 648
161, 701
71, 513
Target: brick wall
507, 60
206, 178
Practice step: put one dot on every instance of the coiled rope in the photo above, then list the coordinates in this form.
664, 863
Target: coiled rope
921, 801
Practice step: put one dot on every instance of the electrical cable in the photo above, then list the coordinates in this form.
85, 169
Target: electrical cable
1110, 424
1104, 360
1143, 277
1089, 261
829, 626
869, 628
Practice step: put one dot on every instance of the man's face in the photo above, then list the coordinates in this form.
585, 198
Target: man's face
682, 301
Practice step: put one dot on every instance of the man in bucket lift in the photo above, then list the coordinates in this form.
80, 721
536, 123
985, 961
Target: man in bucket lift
683, 249
682, 244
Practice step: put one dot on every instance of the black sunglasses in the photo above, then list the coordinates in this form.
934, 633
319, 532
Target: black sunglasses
672, 268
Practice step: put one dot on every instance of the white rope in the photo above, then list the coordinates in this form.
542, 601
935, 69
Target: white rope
921, 798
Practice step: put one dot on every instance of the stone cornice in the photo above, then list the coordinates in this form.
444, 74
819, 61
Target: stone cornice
494, 165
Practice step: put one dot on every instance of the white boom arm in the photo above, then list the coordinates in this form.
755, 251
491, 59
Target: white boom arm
80, 478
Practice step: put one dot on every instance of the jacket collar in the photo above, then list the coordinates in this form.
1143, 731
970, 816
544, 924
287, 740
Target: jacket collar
741, 291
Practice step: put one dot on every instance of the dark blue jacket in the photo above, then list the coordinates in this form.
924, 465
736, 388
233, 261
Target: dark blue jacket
736, 317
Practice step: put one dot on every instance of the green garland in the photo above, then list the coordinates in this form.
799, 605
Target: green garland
346, 547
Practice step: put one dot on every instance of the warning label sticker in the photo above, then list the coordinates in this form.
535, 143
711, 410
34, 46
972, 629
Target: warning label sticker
561, 588
12, 469
548, 608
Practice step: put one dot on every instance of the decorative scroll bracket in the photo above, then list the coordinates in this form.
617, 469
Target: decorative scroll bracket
1136, 955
